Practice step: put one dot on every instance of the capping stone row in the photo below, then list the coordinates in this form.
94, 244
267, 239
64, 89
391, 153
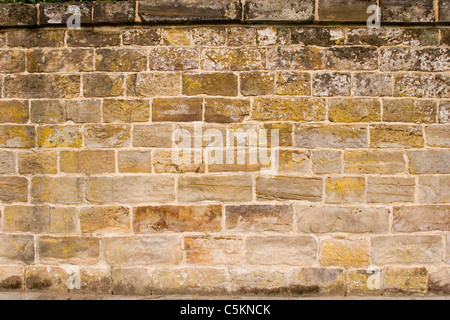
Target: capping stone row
233, 11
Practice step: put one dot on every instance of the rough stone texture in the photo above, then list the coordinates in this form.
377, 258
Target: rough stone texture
444, 11
129, 251
40, 219
272, 10
19, 14
346, 252
358, 178
171, 11
421, 218
342, 219
344, 10
259, 218
177, 219
407, 11
405, 280
407, 249
276, 250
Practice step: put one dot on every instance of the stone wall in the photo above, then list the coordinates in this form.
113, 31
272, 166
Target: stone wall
91, 200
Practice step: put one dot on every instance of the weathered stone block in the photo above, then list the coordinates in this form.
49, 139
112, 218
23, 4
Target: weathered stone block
396, 136
374, 162
134, 162
272, 10
372, 84
258, 218
173, 59
95, 280
364, 282
342, 219
434, 189
331, 84
48, 111
258, 280
351, 58
439, 281
267, 36
209, 36
87, 161
324, 161
52, 279
74, 250
405, 280
11, 278
177, 109
344, 189
177, 36
429, 162
60, 60
407, 249
409, 59
163, 163
223, 110
438, 136
297, 161
142, 250
13, 189
344, 251
30, 38
142, 36
40, 219
408, 110
214, 84
214, 250
125, 110
177, 218
344, 10
7, 162
444, 11
154, 84
388, 190
114, 12
257, 83
105, 220
42, 86
215, 188
129, 189
18, 249
233, 59
153, 136
293, 83
49, 189
354, 110
317, 281
421, 218
17, 136
93, 38
289, 188
317, 36
107, 136
15, 111
131, 281
190, 280
59, 136
18, 14
120, 60
172, 11
276, 250
12, 61
83, 111
407, 11
289, 109
102, 85
241, 36
330, 136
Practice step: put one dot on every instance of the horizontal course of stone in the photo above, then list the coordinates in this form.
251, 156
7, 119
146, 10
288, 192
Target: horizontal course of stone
223, 11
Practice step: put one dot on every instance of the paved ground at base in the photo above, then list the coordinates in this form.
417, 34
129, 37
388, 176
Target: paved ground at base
48, 296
